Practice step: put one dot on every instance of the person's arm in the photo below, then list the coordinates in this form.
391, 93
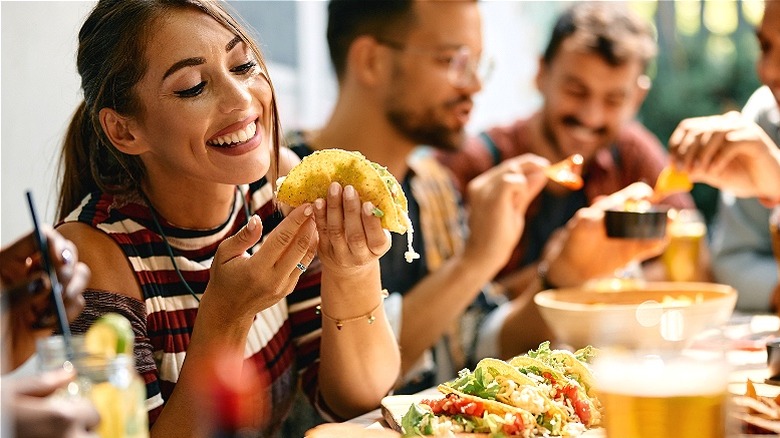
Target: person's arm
742, 252
498, 200
359, 356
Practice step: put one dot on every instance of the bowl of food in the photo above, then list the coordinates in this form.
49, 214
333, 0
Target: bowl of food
636, 315
637, 222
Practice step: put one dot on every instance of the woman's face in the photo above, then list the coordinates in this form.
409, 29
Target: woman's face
206, 104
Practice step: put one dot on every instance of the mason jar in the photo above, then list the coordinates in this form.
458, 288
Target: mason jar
112, 384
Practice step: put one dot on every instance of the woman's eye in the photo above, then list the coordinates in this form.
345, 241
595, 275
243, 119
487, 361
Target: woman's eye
191, 92
244, 68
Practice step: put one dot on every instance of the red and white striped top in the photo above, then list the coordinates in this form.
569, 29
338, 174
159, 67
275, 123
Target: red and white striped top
283, 343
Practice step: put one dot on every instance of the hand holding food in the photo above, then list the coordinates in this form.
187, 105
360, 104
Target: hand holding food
729, 152
582, 250
312, 179
498, 200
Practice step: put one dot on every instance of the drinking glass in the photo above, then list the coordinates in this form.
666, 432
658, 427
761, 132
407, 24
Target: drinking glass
648, 394
110, 383
686, 230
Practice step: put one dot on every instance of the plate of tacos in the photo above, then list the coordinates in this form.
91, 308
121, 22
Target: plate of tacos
543, 393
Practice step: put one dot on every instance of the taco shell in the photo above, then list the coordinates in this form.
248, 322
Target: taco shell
311, 178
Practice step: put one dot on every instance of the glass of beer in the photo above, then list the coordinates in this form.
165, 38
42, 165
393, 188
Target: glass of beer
651, 395
686, 230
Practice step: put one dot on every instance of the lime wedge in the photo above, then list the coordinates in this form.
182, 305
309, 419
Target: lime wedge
109, 336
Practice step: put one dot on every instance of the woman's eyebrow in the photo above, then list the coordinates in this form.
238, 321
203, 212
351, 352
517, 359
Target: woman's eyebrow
199, 60
233, 43
184, 63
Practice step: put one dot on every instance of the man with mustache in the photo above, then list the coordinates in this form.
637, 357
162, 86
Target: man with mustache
592, 80
407, 72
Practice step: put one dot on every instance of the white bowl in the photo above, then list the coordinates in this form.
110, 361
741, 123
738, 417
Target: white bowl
666, 315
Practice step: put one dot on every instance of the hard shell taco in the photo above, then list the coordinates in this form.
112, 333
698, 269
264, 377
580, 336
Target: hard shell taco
567, 389
499, 384
311, 178
463, 413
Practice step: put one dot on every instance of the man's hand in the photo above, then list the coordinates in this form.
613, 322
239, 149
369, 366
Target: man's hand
498, 200
729, 152
581, 250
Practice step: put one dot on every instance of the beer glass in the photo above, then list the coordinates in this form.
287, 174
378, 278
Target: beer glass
652, 395
686, 230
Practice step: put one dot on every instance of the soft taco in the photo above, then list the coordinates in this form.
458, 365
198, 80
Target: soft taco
498, 384
457, 412
311, 178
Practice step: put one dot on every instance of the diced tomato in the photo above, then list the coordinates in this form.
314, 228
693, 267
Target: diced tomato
581, 407
452, 404
514, 428
549, 377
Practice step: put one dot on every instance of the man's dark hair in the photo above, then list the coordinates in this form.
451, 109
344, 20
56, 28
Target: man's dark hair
350, 19
607, 29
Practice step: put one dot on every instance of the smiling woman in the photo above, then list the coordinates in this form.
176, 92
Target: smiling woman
179, 132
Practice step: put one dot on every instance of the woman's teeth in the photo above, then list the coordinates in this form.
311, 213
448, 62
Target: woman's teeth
239, 136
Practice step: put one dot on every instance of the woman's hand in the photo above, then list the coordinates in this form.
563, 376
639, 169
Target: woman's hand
251, 283
351, 236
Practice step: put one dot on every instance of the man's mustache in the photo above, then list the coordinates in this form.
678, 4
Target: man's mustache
573, 122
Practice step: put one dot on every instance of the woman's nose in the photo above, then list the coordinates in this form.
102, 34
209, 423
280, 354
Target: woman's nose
236, 95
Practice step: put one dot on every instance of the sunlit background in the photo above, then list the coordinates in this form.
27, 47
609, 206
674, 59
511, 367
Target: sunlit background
705, 66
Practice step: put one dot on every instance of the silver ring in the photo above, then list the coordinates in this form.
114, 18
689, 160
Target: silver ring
301, 266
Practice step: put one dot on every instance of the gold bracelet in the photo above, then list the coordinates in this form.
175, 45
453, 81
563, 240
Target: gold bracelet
369, 316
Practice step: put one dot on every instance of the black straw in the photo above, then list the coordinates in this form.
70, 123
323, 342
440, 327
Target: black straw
56, 287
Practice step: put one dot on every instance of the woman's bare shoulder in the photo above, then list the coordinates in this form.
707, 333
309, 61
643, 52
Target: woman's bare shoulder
111, 270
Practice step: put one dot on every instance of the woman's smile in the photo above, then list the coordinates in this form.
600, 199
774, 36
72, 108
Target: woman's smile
238, 138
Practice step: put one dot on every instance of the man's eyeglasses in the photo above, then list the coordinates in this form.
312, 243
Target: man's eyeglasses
463, 68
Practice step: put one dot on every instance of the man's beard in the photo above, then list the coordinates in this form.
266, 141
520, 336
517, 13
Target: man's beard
425, 130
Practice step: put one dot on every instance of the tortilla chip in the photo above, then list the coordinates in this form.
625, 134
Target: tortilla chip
311, 178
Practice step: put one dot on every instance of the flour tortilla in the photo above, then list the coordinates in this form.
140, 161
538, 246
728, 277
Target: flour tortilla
311, 178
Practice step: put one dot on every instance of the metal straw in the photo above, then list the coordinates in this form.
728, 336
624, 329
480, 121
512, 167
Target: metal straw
56, 287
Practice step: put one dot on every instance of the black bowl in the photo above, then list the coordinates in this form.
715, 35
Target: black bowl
647, 224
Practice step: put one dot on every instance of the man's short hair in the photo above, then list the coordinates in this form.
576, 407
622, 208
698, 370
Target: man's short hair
610, 30
350, 19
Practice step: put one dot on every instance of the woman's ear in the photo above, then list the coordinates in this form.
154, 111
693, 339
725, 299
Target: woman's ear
120, 132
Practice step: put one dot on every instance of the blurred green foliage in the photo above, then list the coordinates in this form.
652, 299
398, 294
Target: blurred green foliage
699, 75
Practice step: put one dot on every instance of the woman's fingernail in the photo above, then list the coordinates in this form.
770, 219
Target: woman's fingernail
308, 210
319, 204
252, 224
334, 189
349, 192
368, 208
